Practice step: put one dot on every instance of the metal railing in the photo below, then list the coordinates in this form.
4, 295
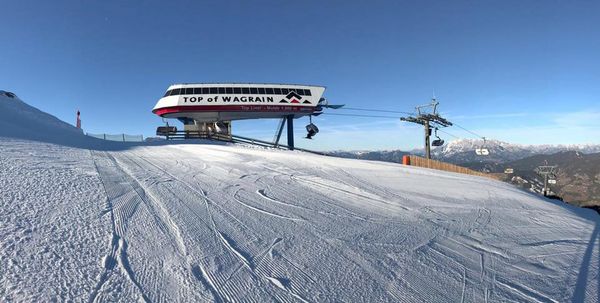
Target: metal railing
118, 137
182, 135
193, 134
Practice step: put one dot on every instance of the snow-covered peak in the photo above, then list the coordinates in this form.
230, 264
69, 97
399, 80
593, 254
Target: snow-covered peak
504, 148
463, 151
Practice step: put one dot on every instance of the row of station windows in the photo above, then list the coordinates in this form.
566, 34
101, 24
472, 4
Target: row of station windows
237, 90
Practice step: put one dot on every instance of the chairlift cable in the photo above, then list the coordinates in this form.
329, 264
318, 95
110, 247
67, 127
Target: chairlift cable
357, 115
391, 117
388, 117
449, 134
393, 111
376, 110
477, 135
481, 150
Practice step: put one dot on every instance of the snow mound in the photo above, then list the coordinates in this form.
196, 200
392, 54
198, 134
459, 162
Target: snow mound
23, 121
7, 94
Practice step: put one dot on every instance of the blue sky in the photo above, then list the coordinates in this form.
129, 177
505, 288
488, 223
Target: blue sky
519, 71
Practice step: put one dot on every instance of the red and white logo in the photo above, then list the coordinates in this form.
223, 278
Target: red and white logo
294, 98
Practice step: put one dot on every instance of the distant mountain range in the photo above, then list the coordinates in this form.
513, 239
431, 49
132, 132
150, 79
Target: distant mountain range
383, 155
463, 151
578, 177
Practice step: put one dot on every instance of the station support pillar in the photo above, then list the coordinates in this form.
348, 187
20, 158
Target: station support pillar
290, 131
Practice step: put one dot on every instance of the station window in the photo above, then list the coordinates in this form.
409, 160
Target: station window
236, 90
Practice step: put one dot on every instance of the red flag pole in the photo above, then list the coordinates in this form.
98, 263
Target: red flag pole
78, 120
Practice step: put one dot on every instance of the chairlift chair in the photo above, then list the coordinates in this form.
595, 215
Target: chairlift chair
220, 127
166, 130
438, 141
482, 150
311, 129
552, 178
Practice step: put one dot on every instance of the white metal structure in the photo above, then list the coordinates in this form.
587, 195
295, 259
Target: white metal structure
229, 101
209, 108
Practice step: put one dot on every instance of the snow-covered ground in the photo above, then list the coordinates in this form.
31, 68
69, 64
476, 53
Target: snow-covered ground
231, 223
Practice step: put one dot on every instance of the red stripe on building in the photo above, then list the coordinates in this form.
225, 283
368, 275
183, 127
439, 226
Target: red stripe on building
233, 108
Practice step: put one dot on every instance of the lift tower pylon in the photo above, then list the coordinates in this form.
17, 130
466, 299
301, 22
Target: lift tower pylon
547, 171
428, 119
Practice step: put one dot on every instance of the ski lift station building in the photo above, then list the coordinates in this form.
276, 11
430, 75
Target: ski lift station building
211, 107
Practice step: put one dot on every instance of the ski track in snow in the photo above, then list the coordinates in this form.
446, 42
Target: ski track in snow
215, 223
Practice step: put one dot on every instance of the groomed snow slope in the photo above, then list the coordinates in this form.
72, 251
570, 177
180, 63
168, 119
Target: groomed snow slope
229, 223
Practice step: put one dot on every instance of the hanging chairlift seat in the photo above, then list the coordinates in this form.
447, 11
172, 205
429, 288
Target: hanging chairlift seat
437, 142
482, 152
166, 130
311, 130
